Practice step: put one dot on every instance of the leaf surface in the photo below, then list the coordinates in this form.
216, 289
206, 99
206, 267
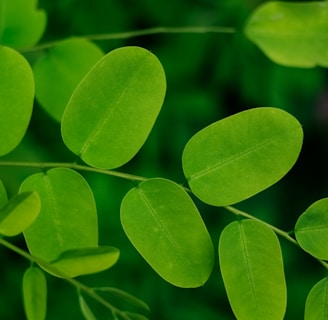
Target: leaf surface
35, 294
291, 34
21, 23
241, 155
311, 229
316, 305
252, 271
3, 195
60, 70
85, 309
113, 110
166, 228
19, 213
68, 217
16, 98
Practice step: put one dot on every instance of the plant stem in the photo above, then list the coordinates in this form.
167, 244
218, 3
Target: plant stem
138, 33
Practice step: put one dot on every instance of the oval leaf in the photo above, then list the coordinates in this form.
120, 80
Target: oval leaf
68, 217
60, 70
316, 305
22, 25
19, 213
166, 228
113, 110
35, 294
252, 271
291, 34
16, 98
85, 309
241, 155
76, 262
311, 229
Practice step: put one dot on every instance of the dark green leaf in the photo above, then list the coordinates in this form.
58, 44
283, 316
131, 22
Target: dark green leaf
311, 229
291, 34
60, 70
316, 305
85, 309
16, 98
252, 271
166, 228
68, 217
3, 195
241, 155
35, 294
113, 110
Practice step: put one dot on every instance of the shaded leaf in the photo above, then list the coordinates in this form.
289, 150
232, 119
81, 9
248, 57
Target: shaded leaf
35, 294
113, 110
3, 195
21, 23
241, 155
311, 229
16, 98
81, 261
252, 271
291, 34
166, 228
19, 213
85, 309
68, 217
59, 71
316, 305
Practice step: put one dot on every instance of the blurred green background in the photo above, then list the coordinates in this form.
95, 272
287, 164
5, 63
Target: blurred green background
209, 76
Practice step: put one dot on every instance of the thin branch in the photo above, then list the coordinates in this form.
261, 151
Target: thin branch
139, 33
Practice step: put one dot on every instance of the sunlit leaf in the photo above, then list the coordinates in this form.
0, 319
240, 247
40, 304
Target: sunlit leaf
85, 309
316, 305
59, 71
166, 228
16, 98
241, 155
76, 262
3, 195
291, 34
311, 229
21, 23
252, 271
68, 217
19, 213
35, 294
113, 110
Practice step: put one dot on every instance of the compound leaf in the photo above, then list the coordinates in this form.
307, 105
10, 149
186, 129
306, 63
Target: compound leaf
68, 216
317, 302
311, 229
16, 98
21, 24
166, 228
252, 271
241, 155
35, 294
113, 109
19, 213
291, 34
60, 70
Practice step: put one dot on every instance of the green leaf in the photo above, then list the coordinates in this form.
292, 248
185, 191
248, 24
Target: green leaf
19, 213
60, 70
166, 228
316, 305
252, 271
113, 110
85, 309
68, 217
16, 98
81, 261
3, 195
291, 34
21, 24
35, 294
311, 229
241, 155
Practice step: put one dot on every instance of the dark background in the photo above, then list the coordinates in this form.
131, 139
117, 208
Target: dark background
209, 76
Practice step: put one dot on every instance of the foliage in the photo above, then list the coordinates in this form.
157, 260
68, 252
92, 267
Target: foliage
105, 106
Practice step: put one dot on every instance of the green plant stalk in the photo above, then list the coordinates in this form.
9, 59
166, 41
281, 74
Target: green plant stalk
138, 33
78, 285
